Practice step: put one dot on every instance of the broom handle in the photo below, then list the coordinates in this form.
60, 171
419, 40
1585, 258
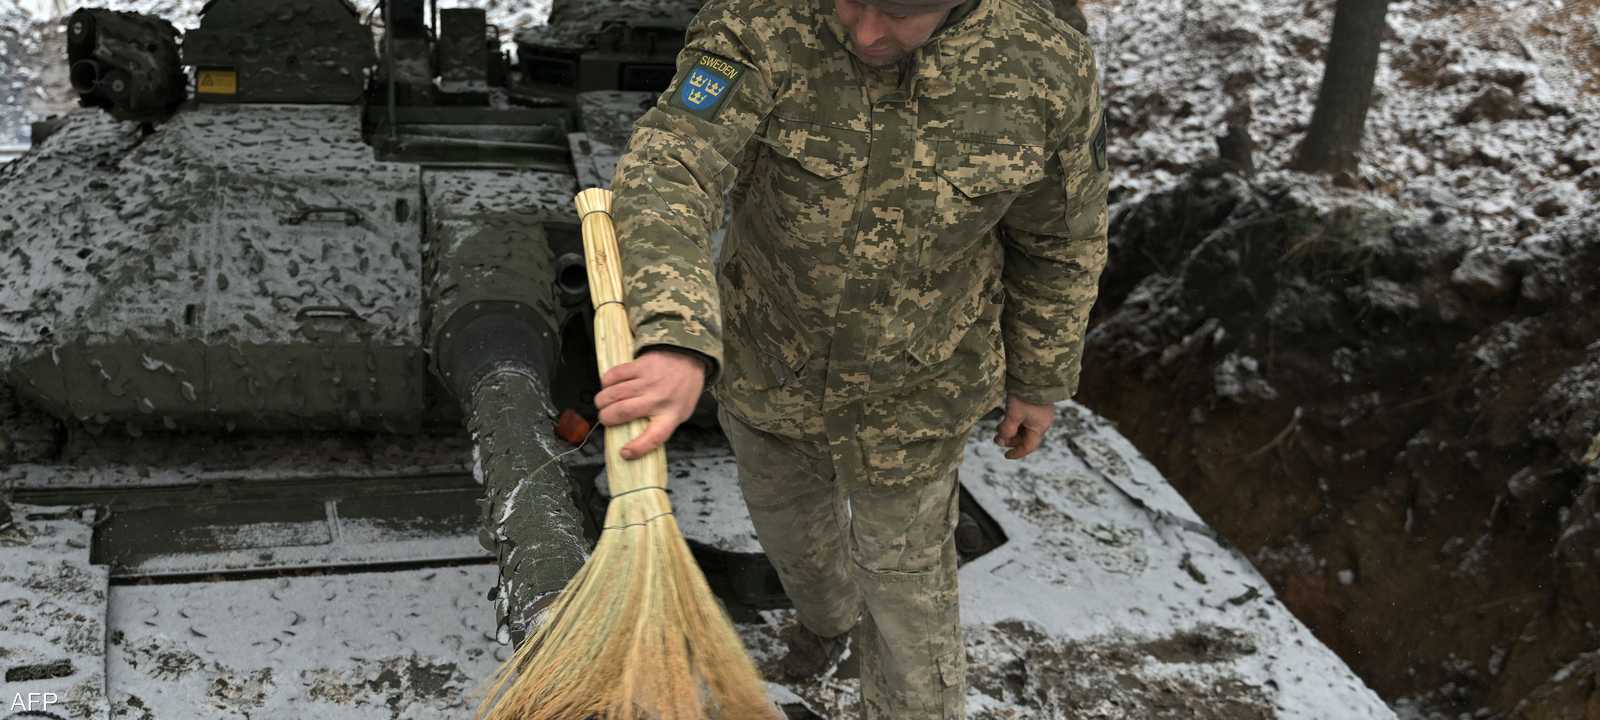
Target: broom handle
613, 345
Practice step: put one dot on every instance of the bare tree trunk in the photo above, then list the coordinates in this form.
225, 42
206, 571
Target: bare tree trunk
1333, 143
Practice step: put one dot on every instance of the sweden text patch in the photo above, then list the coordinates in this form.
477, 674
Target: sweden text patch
710, 81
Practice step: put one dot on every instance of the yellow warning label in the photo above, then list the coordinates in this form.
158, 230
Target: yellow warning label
218, 82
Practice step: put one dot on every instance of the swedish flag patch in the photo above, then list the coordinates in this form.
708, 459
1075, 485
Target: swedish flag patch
710, 81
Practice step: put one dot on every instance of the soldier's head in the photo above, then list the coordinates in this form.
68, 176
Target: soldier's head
883, 32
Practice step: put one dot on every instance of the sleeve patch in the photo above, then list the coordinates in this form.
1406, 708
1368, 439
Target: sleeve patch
710, 80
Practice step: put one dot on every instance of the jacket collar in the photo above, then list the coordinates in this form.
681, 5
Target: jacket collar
951, 40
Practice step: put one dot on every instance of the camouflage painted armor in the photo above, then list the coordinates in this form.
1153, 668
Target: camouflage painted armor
907, 244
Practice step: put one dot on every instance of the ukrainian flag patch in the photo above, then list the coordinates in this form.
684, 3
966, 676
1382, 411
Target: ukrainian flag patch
710, 81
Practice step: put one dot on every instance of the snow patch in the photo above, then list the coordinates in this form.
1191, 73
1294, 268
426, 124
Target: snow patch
1173, 69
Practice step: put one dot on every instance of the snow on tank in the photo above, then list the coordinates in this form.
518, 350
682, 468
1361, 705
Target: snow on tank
1108, 598
243, 265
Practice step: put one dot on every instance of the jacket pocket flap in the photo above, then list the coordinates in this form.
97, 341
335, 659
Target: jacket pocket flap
824, 151
978, 169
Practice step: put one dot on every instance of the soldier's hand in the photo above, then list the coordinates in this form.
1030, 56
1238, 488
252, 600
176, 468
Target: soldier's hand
1024, 427
661, 385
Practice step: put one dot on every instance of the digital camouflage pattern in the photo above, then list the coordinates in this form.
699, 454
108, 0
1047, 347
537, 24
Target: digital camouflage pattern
907, 246
861, 284
883, 555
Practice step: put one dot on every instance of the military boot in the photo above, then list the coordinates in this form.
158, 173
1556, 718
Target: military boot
810, 655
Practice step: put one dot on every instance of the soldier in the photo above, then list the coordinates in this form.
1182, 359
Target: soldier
918, 228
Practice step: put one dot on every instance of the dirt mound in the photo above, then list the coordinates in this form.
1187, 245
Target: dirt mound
1396, 423
1573, 693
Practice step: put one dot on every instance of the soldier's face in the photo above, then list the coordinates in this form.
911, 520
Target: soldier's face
882, 39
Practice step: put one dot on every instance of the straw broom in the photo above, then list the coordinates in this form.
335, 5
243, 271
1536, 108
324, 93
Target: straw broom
637, 633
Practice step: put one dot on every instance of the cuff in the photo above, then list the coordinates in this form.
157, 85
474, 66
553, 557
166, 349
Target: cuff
680, 333
1040, 394
709, 362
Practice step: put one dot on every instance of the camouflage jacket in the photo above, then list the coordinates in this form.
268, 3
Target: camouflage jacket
907, 245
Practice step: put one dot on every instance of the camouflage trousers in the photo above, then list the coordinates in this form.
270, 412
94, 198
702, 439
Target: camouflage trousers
879, 560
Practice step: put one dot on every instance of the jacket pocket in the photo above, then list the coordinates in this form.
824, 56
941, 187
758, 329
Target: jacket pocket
980, 180
763, 347
936, 343
809, 179
971, 296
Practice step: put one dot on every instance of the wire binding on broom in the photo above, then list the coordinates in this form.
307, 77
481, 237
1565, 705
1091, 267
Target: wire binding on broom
637, 633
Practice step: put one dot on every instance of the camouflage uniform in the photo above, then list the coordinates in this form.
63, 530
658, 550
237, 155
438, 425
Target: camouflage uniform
1069, 11
865, 322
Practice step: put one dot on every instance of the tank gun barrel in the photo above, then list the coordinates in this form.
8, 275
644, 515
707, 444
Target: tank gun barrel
531, 522
492, 302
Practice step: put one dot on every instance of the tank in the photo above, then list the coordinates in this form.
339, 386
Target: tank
318, 241
347, 228
290, 315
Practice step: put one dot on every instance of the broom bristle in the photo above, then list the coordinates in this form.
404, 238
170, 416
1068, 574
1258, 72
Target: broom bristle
636, 634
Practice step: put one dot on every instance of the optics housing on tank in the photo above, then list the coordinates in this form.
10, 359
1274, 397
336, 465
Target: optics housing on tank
126, 63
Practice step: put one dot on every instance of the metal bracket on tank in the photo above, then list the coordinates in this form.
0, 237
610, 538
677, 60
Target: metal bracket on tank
327, 312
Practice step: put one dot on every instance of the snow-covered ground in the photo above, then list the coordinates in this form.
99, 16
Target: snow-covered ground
1172, 69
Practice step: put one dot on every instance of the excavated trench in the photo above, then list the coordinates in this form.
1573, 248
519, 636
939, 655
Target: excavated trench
1397, 425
